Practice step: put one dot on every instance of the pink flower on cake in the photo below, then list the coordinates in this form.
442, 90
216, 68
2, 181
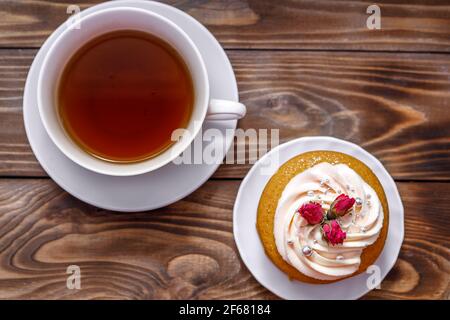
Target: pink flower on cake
312, 212
340, 206
333, 233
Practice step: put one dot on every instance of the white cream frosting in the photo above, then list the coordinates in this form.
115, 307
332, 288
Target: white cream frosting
292, 232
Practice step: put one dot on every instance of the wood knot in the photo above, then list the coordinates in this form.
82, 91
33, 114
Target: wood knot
286, 110
306, 113
196, 269
402, 279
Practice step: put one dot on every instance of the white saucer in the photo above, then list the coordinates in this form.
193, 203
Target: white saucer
148, 191
249, 243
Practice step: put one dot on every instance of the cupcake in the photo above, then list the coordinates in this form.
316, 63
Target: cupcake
323, 217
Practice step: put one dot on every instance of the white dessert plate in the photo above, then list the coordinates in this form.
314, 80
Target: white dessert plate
249, 243
148, 191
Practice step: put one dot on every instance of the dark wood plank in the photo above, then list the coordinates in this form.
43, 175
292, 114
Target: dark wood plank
183, 251
418, 25
394, 105
16, 157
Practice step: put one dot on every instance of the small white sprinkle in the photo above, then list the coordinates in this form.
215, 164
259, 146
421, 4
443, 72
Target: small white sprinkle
363, 229
315, 241
358, 201
310, 193
290, 242
369, 203
340, 257
307, 251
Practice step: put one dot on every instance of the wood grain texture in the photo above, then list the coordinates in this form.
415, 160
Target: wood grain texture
182, 251
16, 157
418, 25
311, 78
394, 105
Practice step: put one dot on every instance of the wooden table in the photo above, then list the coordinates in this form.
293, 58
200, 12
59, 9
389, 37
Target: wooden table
304, 67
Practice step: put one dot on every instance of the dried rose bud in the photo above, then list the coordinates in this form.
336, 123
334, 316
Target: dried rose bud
312, 212
333, 233
340, 206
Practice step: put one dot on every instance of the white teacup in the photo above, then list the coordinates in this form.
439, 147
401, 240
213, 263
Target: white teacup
127, 18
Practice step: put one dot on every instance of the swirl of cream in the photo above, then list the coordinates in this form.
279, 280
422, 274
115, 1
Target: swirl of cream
323, 183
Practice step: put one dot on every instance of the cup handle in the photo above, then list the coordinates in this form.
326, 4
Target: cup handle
225, 110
